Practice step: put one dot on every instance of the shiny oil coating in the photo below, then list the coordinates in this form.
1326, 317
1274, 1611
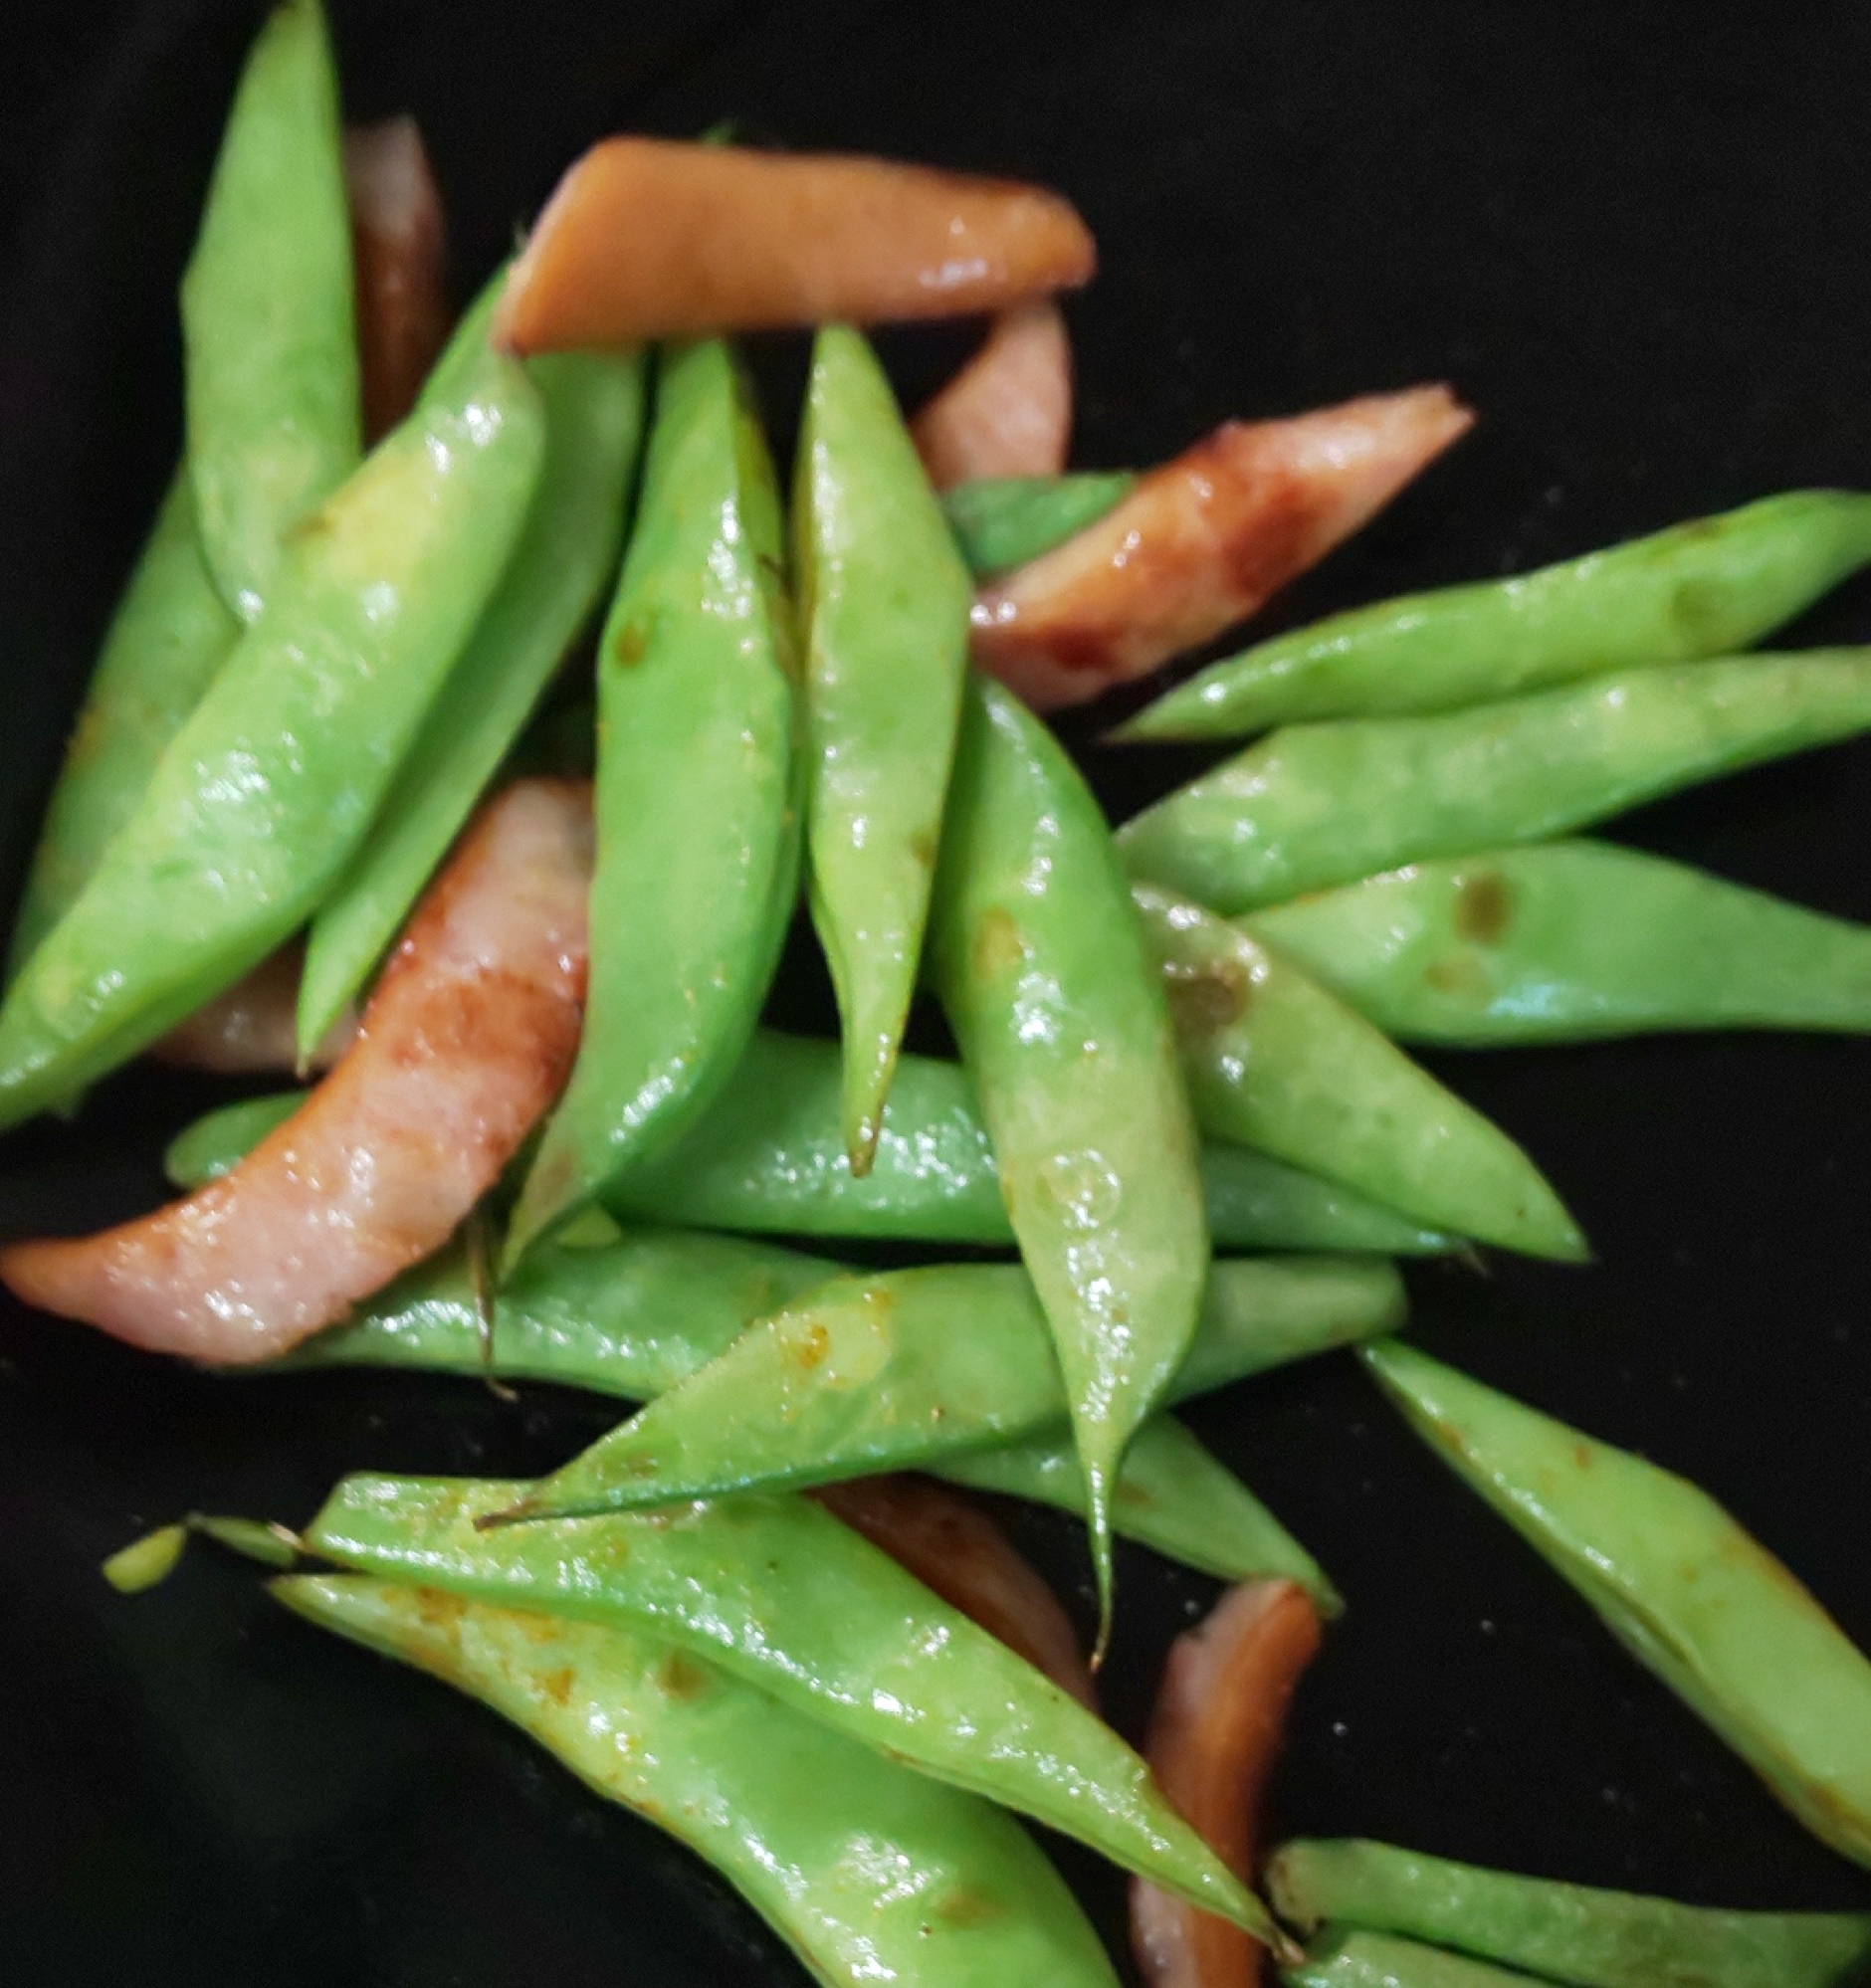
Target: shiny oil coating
1704, 588
868, 1870
698, 809
1003, 521
899, 1368
1567, 942
1275, 1061
779, 1593
1673, 1577
1047, 983
565, 556
272, 782
1574, 1933
269, 326
883, 612
463, 1048
169, 635
1377, 1960
1278, 820
769, 1157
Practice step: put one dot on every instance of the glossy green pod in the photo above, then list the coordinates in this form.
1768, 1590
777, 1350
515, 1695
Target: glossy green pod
566, 554
1672, 1576
895, 1369
627, 1313
1574, 1933
1705, 588
866, 1869
884, 602
1376, 1960
1063, 1026
145, 1562
768, 1156
1320, 804
269, 328
1273, 1061
272, 783
1172, 1495
781, 1594
1571, 941
1001, 523
169, 635
697, 803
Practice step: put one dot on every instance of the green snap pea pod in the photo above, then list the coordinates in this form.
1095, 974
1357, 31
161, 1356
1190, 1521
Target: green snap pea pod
169, 635
888, 1370
269, 327
1063, 1026
1274, 1060
621, 1313
1705, 588
1172, 1495
778, 1592
1001, 523
883, 604
146, 1562
270, 786
1376, 1960
1567, 942
1574, 1933
1321, 804
1672, 1576
697, 818
768, 1156
567, 553
866, 1869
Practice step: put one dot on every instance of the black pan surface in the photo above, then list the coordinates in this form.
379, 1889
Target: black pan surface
1634, 239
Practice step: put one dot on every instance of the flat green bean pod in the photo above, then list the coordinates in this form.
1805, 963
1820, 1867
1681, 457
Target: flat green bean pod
884, 602
272, 783
1273, 1061
169, 635
866, 1869
1376, 1960
1173, 1495
697, 803
1063, 1026
1705, 588
894, 1369
566, 554
632, 1313
622, 1312
1571, 941
779, 1593
1321, 804
768, 1156
1001, 523
1672, 1576
269, 327
1574, 1933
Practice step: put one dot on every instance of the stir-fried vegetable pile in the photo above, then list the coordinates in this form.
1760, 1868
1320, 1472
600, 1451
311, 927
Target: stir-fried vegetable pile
350, 795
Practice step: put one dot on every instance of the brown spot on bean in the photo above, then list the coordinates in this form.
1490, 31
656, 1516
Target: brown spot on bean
998, 947
923, 847
1484, 906
556, 1685
681, 1677
965, 1905
631, 646
1456, 975
806, 1349
1209, 998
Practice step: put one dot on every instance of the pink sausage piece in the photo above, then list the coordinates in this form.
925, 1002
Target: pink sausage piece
464, 1045
1213, 1738
1202, 542
1008, 411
